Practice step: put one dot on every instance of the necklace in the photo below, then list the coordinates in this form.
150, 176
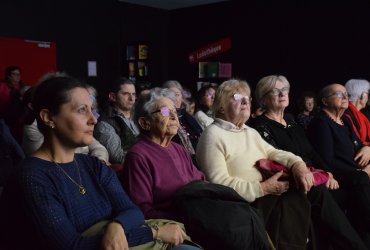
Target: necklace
81, 188
331, 118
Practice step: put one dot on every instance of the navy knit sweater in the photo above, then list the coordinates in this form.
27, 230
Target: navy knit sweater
60, 213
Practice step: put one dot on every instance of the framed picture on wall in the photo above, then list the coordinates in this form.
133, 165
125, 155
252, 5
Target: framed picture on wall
143, 51
142, 68
130, 52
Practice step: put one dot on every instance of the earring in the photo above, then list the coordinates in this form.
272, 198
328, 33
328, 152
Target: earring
51, 125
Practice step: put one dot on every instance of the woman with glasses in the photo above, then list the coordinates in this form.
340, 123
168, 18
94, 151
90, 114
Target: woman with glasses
189, 130
228, 152
332, 136
156, 169
281, 131
155, 166
205, 97
358, 92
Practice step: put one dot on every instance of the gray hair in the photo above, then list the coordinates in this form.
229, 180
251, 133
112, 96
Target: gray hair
172, 83
266, 84
145, 105
356, 87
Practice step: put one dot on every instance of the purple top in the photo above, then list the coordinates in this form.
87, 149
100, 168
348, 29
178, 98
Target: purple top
152, 174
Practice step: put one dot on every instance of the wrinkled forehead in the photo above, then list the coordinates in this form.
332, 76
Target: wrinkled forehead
164, 102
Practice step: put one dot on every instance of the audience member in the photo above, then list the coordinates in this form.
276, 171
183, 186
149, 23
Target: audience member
11, 108
94, 103
189, 129
143, 87
74, 201
332, 136
33, 138
156, 169
307, 108
116, 130
205, 97
358, 94
228, 152
281, 131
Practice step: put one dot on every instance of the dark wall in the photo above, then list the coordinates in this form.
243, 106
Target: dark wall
86, 30
312, 43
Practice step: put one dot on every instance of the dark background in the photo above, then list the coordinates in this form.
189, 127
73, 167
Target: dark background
313, 43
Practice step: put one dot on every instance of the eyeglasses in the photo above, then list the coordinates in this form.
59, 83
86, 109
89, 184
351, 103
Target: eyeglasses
283, 91
243, 98
210, 95
342, 95
166, 111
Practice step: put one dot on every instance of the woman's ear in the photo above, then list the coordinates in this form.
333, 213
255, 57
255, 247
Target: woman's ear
324, 102
46, 118
144, 123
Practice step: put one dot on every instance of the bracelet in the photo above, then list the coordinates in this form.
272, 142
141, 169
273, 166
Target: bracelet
157, 238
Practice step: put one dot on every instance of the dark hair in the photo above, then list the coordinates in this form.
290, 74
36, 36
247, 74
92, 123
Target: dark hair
143, 85
202, 92
51, 94
303, 96
118, 82
9, 70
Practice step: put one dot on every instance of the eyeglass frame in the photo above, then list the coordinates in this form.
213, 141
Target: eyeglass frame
209, 95
239, 97
277, 91
164, 113
339, 94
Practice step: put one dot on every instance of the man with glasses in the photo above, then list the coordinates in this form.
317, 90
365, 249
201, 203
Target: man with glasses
116, 129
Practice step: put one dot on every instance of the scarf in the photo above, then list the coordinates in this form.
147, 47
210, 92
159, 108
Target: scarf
360, 124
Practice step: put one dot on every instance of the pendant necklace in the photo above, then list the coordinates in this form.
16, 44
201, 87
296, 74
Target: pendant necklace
81, 188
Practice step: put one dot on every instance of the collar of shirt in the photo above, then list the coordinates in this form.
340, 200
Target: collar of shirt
229, 126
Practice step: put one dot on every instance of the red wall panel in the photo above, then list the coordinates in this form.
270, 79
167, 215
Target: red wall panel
35, 58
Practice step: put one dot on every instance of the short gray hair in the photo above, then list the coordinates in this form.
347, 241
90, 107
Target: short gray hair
266, 84
145, 105
355, 88
173, 83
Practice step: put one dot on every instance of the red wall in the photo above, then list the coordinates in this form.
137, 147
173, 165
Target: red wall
35, 58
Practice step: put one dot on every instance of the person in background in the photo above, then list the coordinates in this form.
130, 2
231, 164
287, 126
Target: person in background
333, 138
94, 103
358, 94
281, 131
11, 108
205, 97
74, 201
189, 130
188, 101
307, 108
143, 87
115, 129
10, 86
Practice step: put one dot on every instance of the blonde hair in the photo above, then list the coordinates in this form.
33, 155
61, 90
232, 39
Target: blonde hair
266, 84
225, 90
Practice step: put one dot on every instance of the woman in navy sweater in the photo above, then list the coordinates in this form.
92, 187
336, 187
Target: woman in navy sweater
67, 195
